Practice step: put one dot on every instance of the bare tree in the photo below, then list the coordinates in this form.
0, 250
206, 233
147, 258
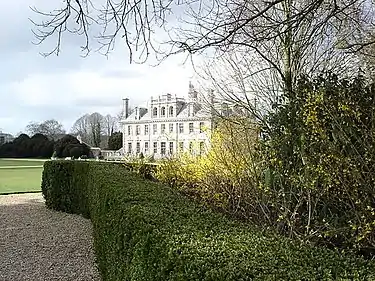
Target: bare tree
110, 124
50, 128
81, 127
241, 83
259, 64
265, 46
270, 43
194, 26
91, 128
96, 128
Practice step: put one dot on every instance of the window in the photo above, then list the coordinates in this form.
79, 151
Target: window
201, 148
146, 129
191, 128
171, 148
224, 109
155, 147
162, 112
138, 147
181, 128
171, 111
163, 128
191, 147
201, 125
171, 128
146, 147
138, 130
155, 112
181, 146
129, 130
129, 147
155, 129
162, 148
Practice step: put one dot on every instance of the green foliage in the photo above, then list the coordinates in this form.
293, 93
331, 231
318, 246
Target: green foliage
115, 141
63, 142
64, 186
143, 166
38, 146
320, 156
69, 146
310, 176
146, 231
144, 169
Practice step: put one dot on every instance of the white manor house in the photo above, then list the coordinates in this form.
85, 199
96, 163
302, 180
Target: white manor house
167, 126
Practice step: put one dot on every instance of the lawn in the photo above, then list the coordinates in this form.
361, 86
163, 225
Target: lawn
21, 162
15, 177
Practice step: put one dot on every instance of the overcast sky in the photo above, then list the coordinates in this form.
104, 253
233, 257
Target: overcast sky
64, 87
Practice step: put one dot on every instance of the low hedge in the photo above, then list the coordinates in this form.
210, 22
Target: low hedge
146, 231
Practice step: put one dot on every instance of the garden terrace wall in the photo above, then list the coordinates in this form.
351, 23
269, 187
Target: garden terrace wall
146, 231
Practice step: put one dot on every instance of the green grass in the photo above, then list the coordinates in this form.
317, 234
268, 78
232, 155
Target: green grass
15, 179
20, 162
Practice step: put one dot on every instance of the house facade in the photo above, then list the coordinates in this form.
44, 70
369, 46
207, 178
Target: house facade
169, 125
4, 138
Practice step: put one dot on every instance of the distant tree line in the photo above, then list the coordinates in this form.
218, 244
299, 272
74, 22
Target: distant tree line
96, 129
50, 128
49, 138
40, 146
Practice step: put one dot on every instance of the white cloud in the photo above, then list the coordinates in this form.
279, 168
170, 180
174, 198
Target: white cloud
34, 88
88, 90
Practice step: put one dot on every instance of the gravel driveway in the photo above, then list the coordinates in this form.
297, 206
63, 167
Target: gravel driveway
40, 244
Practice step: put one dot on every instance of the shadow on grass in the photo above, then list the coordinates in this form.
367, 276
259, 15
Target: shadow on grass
19, 192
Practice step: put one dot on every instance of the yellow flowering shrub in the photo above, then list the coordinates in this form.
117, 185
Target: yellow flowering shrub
224, 175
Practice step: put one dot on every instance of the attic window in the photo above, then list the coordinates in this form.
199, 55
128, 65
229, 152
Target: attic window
155, 112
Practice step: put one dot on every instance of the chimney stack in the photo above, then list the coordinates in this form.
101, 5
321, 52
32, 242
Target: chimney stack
125, 108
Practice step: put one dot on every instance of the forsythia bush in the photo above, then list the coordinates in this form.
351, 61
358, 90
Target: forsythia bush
320, 154
224, 177
309, 172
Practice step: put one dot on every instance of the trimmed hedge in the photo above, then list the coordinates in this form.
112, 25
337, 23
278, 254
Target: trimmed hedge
146, 231
64, 186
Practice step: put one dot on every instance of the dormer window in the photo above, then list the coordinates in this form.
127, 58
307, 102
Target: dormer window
162, 112
155, 112
171, 111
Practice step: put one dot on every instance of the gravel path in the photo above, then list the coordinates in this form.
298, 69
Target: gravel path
39, 244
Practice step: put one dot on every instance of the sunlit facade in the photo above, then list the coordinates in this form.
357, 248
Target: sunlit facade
167, 126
